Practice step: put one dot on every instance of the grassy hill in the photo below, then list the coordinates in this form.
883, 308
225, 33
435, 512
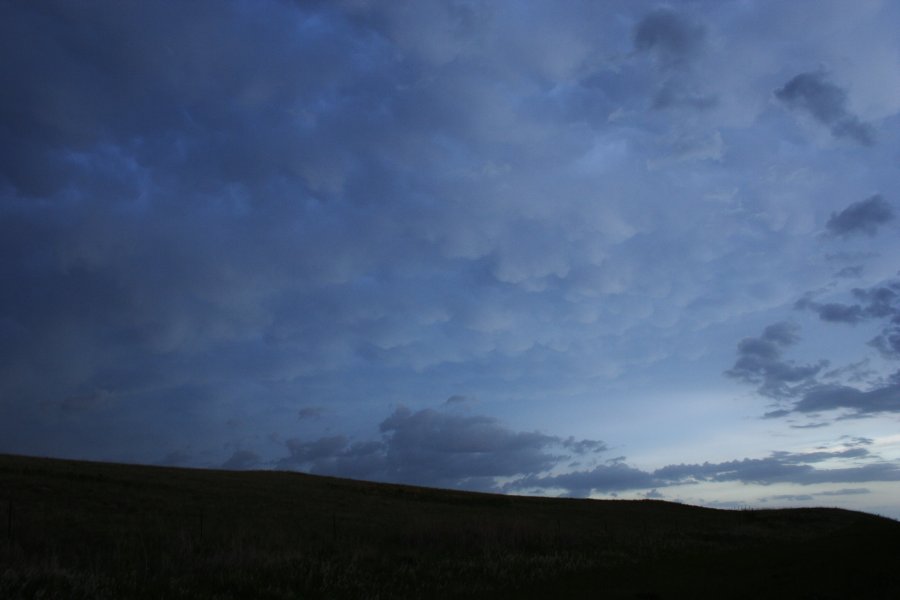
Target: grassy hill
97, 530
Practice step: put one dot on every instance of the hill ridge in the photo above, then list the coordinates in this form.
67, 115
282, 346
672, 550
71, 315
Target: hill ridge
96, 529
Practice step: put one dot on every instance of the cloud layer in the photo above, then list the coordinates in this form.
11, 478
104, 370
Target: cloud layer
452, 450
224, 225
437, 448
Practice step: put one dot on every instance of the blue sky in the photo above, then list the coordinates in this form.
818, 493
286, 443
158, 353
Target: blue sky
609, 249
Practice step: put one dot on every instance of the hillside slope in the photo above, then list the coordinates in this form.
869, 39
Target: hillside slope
95, 530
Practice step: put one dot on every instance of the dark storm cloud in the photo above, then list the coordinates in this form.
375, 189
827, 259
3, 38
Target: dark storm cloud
833, 312
614, 477
881, 301
336, 455
753, 470
218, 218
863, 217
790, 497
186, 189
837, 312
888, 342
785, 467
760, 362
878, 302
106, 95
784, 334
93, 400
432, 446
852, 272
232, 197
807, 425
827, 103
456, 399
858, 372
881, 399
670, 37
176, 458
309, 452
438, 448
310, 412
242, 460
814, 393
153, 83
845, 492
779, 467
584, 446
884, 302
853, 441
674, 42
674, 93
775, 414
826, 494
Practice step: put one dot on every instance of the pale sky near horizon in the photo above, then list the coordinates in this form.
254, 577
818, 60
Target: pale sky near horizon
610, 249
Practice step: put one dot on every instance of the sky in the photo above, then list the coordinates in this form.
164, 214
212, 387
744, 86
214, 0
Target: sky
614, 249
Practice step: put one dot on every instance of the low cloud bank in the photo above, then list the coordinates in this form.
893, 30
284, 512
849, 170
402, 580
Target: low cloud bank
445, 449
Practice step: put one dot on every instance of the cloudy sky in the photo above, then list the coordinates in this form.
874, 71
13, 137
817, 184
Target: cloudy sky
627, 249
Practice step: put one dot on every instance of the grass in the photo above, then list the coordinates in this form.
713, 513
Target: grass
98, 530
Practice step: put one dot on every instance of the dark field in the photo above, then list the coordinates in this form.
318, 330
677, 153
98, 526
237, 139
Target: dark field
95, 530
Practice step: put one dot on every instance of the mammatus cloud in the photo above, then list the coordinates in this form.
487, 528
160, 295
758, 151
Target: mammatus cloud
217, 217
863, 217
814, 94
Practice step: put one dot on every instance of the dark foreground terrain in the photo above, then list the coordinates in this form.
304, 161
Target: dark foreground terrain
96, 530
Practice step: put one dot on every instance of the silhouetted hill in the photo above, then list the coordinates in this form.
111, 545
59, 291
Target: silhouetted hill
97, 530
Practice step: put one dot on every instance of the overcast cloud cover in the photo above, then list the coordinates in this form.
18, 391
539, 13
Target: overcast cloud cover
586, 248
